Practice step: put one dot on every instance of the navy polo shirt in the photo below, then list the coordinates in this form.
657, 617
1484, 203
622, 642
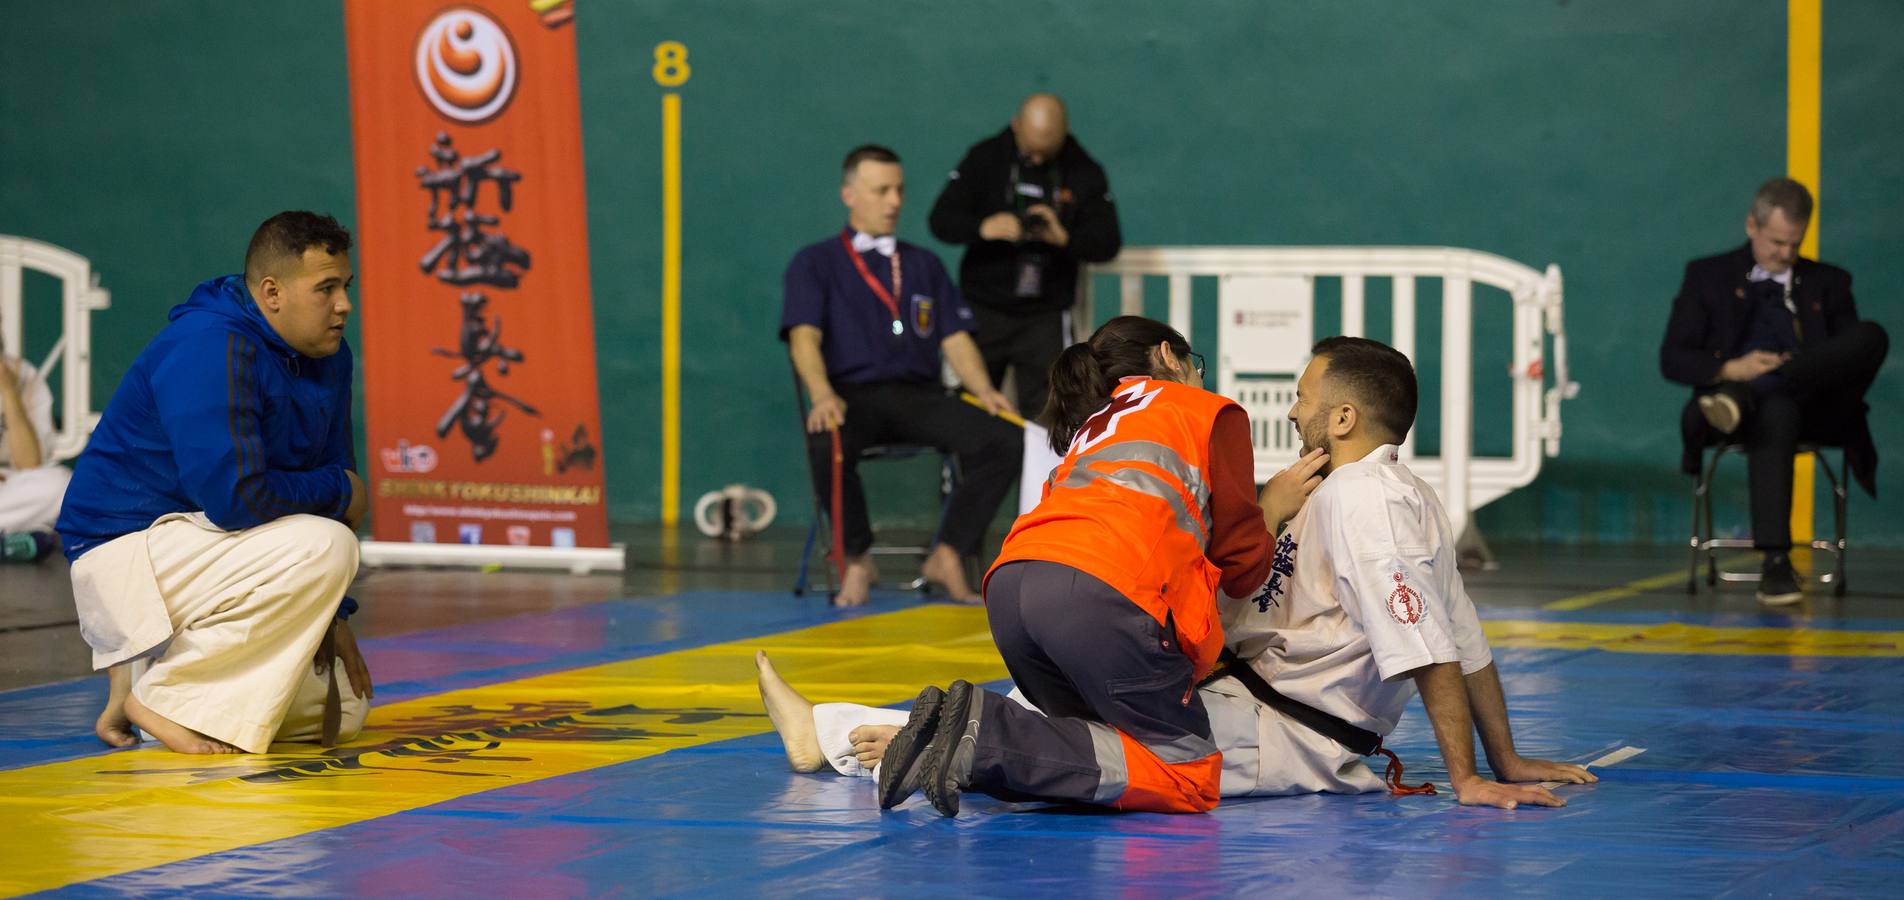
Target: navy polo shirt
824, 289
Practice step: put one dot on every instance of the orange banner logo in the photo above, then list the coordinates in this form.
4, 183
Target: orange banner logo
466, 65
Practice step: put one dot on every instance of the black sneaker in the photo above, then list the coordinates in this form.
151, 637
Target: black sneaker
900, 767
1778, 584
948, 759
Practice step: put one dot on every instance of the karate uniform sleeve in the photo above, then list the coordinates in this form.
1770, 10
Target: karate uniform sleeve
1387, 578
211, 406
1239, 540
955, 215
39, 409
804, 295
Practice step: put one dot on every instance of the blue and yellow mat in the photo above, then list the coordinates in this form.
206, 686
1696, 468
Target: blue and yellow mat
621, 749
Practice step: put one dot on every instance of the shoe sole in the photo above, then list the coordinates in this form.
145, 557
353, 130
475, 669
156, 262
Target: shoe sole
1781, 599
907, 747
1721, 412
953, 721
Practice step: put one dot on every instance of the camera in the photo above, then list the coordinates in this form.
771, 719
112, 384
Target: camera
1031, 225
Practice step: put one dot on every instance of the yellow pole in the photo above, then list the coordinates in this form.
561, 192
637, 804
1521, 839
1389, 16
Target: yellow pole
670, 309
1804, 55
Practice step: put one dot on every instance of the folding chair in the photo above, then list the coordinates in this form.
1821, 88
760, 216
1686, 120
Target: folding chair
820, 533
1704, 544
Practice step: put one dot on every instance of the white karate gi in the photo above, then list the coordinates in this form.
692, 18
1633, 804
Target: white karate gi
229, 622
1333, 628
30, 498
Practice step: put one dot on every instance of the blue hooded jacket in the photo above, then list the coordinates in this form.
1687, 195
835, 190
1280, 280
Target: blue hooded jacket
217, 414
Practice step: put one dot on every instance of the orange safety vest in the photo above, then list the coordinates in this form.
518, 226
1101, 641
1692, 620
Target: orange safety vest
1130, 504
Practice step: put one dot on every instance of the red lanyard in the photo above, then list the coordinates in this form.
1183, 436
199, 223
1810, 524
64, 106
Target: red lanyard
886, 297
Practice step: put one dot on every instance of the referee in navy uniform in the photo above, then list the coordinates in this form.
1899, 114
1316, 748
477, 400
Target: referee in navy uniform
866, 317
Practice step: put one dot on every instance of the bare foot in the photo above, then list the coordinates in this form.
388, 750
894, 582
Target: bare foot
944, 568
792, 717
869, 742
176, 738
113, 727
857, 586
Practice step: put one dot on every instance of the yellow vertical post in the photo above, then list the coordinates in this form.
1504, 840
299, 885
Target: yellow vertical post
1804, 51
670, 309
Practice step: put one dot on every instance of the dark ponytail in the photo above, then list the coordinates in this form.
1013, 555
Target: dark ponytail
1084, 374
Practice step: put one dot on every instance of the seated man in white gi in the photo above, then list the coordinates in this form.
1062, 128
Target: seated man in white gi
30, 483
1363, 606
210, 521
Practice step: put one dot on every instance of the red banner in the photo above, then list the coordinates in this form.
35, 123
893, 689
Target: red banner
471, 213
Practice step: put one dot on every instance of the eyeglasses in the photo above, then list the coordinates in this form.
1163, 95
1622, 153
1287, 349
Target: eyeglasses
1196, 359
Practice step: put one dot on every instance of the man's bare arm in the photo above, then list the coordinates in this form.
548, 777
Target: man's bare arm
1489, 705
828, 410
1445, 695
962, 353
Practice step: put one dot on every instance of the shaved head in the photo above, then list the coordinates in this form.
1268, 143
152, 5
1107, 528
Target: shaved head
1040, 127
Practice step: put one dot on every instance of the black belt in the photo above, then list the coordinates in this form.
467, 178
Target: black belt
1360, 740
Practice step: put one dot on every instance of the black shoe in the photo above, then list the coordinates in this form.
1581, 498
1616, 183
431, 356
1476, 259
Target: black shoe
900, 767
948, 759
1778, 584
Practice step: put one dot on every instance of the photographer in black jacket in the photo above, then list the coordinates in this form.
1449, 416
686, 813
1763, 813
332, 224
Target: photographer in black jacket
1030, 205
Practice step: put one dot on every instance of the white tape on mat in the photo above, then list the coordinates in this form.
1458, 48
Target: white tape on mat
1611, 759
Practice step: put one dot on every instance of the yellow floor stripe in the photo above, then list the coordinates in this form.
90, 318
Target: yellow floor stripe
1636, 587
1678, 638
84, 819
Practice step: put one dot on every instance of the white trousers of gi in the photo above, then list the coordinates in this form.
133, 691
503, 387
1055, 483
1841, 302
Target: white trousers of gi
30, 498
228, 621
1265, 754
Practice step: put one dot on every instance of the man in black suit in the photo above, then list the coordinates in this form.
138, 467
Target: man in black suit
1772, 346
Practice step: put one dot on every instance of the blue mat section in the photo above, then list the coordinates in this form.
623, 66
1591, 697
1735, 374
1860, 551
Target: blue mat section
1763, 774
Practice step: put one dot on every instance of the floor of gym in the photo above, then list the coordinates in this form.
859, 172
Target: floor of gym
557, 735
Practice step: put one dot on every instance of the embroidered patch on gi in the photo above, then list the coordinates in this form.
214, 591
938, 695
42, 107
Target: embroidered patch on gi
1404, 602
922, 315
1283, 566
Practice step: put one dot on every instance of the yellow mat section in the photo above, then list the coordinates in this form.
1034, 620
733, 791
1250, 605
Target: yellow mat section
1677, 638
84, 819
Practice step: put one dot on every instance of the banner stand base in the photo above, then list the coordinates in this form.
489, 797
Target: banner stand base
577, 560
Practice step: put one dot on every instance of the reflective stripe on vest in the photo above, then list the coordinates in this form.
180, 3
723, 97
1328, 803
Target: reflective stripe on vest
1197, 524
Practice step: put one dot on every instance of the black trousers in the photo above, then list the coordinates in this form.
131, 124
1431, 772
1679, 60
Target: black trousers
1815, 395
1026, 343
1097, 666
989, 451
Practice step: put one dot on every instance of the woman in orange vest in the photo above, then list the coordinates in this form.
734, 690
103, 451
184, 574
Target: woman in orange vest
1103, 599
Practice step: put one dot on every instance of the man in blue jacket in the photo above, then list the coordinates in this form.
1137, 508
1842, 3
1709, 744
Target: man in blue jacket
210, 521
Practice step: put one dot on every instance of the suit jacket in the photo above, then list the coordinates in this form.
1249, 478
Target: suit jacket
1710, 324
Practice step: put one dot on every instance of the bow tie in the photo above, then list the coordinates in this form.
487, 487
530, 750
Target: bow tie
885, 244
1758, 273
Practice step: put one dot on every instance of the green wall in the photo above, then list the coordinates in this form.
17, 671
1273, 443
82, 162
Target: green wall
1616, 139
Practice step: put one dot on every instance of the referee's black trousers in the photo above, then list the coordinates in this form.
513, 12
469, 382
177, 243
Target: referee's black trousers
989, 452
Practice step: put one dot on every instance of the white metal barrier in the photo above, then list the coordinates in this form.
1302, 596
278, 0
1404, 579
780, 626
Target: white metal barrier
1266, 311
80, 296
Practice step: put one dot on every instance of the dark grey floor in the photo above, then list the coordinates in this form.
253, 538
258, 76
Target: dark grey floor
40, 642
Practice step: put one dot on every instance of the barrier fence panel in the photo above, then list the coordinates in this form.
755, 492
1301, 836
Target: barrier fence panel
71, 352
1266, 323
